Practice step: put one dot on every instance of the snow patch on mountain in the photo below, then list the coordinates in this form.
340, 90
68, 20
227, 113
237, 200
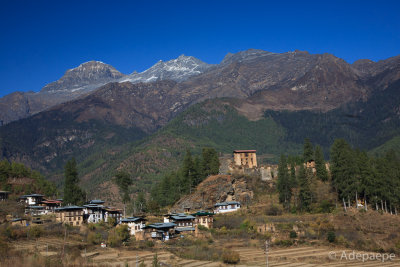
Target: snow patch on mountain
178, 69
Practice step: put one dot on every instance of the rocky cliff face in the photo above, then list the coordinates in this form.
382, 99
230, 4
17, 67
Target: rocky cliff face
217, 188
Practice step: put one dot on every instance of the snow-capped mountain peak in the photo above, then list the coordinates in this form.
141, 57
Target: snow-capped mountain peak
178, 69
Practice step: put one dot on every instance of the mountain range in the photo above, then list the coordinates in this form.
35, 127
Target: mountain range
253, 99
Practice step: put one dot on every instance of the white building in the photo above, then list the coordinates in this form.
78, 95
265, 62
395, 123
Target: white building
228, 206
32, 199
135, 224
93, 213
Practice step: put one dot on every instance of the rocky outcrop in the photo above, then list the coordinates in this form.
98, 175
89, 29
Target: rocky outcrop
217, 188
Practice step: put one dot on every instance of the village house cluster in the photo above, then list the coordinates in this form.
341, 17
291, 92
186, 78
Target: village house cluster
95, 211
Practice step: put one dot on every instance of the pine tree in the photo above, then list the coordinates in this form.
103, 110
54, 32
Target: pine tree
283, 183
308, 151
320, 167
304, 189
344, 169
188, 172
73, 194
123, 180
210, 161
140, 202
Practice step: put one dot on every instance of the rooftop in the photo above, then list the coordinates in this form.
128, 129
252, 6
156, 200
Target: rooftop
132, 219
244, 151
69, 208
160, 225
181, 216
96, 201
227, 203
202, 213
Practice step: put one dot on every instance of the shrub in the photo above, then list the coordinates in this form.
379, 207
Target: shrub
35, 231
94, 238
331, 236
273, 210
202, 227
326, 206
113, 240
91, 226
247, 225
155, 262
283, 243
111, 221
230, 257
123, 232
293, 234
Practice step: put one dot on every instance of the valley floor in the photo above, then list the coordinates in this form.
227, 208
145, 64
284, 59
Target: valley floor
304, 256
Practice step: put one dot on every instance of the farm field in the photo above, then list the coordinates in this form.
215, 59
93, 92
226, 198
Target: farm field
307, 256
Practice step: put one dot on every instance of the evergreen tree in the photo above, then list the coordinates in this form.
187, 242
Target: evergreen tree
210, 161
283, 183
198, 175
320, 167
73, 194
293, 178
141, 205
188, 172
308, 151
123, 180
304, 189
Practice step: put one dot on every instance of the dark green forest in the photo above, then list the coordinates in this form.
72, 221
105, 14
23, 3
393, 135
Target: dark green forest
18, 171
355, 179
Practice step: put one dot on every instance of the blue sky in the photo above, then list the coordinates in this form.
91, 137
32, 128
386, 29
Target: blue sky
40, 40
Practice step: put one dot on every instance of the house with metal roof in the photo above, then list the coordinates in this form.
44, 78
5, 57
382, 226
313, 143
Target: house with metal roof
93, 213
111, 212
35, 210
32, 199
162, 231
72, 215
96, 201
135, 224
204, 218
228, 206
184, 222
50, 205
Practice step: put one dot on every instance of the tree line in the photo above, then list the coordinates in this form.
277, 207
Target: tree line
354, 176
10, 170
194, 170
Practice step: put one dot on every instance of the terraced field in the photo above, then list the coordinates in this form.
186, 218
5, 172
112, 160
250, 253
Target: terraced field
305, 257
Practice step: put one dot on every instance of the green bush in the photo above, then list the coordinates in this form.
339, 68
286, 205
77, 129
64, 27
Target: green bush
230, 257
331, 236
293, 234
123, 232
202, 228
94, 238
326, 207
283, 243
35, 231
